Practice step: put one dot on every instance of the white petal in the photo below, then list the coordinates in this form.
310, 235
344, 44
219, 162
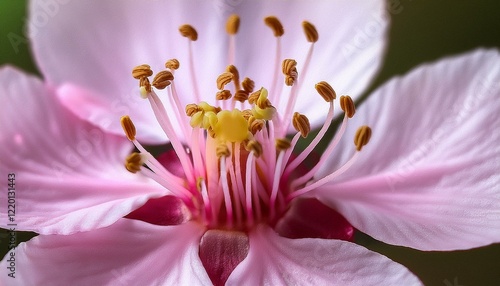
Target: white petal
94, 46
128, 252
429, 177
69, 174
274, 260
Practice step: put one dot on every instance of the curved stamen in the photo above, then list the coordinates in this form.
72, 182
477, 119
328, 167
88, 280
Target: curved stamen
190, 33
325, 179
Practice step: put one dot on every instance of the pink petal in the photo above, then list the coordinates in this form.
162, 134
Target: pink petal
95, 45
429, 177
69, 174
126, 253
274, 260
221, 251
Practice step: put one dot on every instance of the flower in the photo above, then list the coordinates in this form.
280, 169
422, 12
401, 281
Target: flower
192, 242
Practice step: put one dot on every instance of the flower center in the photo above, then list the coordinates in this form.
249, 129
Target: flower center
238, 163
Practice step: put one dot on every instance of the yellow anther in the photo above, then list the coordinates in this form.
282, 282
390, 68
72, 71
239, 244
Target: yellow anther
310, 31
255, 125
172, 64
248, 85
199, 182
326, 91
255, 147
236, 75
290, 79
141, 71
189, 32
247, 113
362, 137
224, 79
288, 66
233, 24
133, 162
222, 150
231, 126
191, 109
301, 124
282, 144
145, 87
275, 25
252, 98
162, 79
223, 95
241, 95
128, 127
347, 105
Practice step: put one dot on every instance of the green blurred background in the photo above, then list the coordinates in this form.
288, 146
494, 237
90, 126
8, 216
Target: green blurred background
424, 30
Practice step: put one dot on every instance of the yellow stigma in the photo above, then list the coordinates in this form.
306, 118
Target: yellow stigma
231, 126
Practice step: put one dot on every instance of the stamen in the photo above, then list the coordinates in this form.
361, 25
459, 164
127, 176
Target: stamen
142, 71
225, 190
289, 68
301, 124
347, 105
248, 186
222, 151
252, 98
362, 137
134, 162
189, 32
223, 95
248, 85
233, 24
128, 127
241, 95
275, 25
144, 87
255, 125
324, 180
236, 75
310, 31
282, 144
255, 147
162, 79
300, 158
202, 188
278, 31
172, 64
326, 91
191, 109
223, 79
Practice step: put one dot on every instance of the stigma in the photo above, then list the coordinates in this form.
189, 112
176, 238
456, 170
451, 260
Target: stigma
237, 144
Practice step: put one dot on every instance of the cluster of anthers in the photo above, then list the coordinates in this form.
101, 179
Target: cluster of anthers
238, 166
